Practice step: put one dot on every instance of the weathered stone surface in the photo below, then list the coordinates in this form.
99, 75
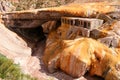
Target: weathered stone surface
12, 42
49, 26
66, 55
35, 18
114, 15
111, 41
97, 33
61, 49
108, 34
16, 48
76, 57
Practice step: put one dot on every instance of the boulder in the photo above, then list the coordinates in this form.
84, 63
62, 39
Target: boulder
76, 57
98, 33
108, 34
110, 41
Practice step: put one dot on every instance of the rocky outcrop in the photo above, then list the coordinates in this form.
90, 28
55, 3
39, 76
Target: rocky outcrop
108, 34
15, 47
74, 57
19, 50
35, 18
63, 52
13, 43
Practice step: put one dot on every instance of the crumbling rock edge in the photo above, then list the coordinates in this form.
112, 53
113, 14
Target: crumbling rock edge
35, 18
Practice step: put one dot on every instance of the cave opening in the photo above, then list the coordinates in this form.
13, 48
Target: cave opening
36, 37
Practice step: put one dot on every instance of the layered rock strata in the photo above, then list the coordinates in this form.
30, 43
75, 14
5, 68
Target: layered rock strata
35, 18
74, 57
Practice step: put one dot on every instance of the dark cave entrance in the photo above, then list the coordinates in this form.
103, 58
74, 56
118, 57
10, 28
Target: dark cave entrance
36, 36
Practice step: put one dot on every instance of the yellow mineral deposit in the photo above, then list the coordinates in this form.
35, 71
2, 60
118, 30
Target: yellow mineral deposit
76, 57
66, 47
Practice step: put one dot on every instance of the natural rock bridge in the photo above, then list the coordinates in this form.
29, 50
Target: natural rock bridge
35, 18
40, 31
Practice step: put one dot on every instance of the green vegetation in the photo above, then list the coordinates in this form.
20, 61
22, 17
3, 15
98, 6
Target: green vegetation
11, 71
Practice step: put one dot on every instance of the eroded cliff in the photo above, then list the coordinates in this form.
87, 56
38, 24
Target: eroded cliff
41, 37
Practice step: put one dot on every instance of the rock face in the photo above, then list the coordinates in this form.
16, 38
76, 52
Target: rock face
35, 18
65, 53
65, 47
14, 47
13, 43
108, 34
76, 57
